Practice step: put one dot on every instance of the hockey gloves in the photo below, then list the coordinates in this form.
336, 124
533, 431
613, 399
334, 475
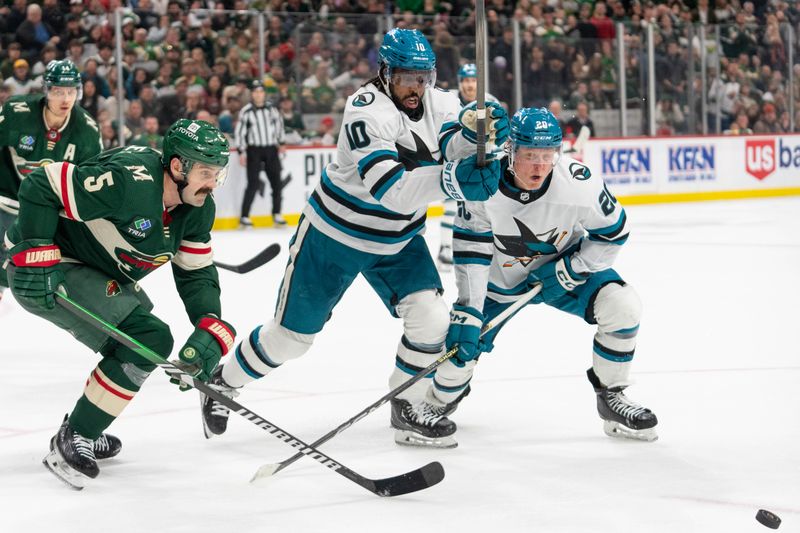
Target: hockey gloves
37, 274
497, 125
557, 278
211, 339
462, 179
465, 331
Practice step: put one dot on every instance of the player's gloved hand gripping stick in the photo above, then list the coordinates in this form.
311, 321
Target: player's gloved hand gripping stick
418, 479
273, 468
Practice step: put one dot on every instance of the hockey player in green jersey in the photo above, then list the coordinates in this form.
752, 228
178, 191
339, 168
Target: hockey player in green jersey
98, 228
39, 129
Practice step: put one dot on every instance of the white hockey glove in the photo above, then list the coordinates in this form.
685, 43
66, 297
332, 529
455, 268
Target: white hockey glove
497, 125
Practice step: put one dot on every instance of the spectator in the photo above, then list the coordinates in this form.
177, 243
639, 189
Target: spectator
76, 52
14, 52
326, 132
555, 108
91, 101
72, 31
293, 123
150, 136
49, 53
669, 117
34, 33
15, 16
318, 90
20, 82
147, 96
604, 26
90, 72
579, 120
739, 126
768, 123
134, 120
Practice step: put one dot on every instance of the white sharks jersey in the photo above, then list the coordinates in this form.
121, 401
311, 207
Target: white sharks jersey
374, 195
488, 98
497, 243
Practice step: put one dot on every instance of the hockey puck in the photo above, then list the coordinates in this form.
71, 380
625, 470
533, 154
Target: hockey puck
768, 519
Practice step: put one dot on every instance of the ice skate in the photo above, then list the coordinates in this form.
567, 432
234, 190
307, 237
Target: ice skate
622, 418
214, 414
106, 447
422, 424
71, 457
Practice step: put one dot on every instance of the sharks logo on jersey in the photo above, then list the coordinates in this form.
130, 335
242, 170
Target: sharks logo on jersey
363, 99
419, 156
527, 246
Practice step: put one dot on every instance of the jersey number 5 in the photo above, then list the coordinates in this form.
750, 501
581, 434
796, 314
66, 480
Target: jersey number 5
94, 184
357, 135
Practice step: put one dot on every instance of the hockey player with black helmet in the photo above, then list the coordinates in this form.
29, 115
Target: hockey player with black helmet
551, 222
401, 147
39, 129
95, 230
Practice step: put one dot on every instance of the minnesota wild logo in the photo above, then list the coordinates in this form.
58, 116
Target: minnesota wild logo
137, 265
26, 167
528, 245
112, 288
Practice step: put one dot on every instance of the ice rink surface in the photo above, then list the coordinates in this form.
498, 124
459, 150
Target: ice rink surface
718, 360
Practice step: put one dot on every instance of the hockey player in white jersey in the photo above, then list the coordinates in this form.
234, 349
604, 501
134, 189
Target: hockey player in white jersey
467, 93
398, 150
551, 222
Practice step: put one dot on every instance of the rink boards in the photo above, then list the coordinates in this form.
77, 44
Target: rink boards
639, 170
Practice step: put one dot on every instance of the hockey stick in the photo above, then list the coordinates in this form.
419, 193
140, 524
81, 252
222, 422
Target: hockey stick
273, 468
418, 479
480, 63
264, 256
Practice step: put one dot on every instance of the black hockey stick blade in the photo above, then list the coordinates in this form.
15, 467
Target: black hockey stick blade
265, 256
418, 479
270, 469
421, 478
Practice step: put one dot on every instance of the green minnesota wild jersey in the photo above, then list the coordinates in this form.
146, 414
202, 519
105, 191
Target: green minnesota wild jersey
112, 218
26, 144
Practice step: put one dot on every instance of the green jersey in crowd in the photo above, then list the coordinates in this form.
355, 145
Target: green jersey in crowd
112, 218
26, 143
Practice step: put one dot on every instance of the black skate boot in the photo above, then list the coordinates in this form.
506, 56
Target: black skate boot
422, 424
215, 415
71, 457
622, 418
451, 407
107, 446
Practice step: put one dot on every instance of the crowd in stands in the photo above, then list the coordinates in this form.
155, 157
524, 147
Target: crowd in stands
196, 59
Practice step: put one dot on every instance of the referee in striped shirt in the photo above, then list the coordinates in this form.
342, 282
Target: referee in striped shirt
258, 136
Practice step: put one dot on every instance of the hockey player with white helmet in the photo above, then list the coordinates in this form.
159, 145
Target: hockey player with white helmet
467, 93
551, 222
401, 146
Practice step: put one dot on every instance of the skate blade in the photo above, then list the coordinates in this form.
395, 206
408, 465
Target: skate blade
410, 438
618, 431
72, 478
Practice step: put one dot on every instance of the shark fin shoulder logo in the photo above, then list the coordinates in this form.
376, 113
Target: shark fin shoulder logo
527, 246
363, 99
579, 171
